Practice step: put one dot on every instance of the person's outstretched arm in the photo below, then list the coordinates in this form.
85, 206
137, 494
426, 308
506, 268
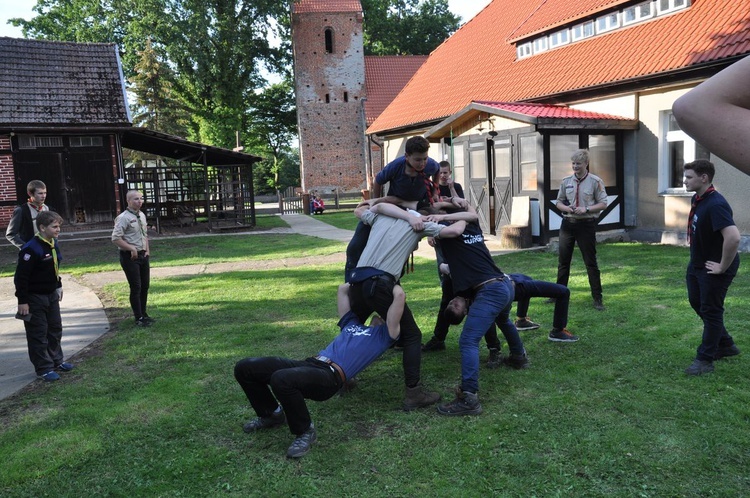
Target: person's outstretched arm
716, 114
342, 300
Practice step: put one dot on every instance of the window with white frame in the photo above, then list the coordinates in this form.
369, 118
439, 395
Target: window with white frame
637, 13
677, 148
540, 45
559, 38
523, 50
664, 6
582, 31
608, 22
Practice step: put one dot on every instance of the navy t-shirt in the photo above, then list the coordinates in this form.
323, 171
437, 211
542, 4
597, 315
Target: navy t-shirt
469, 259
357, 345
445, 190
408, 188
712, 214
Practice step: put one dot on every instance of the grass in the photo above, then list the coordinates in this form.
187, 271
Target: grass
341, 218
156, 412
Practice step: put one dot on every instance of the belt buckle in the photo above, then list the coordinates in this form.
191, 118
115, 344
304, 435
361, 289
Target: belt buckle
324, 359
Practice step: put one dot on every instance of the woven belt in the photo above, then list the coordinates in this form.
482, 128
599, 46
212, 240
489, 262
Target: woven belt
333, 366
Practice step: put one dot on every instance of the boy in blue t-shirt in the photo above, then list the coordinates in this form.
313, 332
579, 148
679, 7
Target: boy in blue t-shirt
277, 387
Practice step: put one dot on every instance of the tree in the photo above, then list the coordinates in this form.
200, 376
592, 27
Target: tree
406, 27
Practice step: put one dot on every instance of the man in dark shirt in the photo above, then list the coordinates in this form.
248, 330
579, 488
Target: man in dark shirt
714, 260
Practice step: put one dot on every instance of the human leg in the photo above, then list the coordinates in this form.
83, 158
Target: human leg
566, 243
133, 275
586, 239
36, 334
713, 290
54, 329
144, 268
356, 246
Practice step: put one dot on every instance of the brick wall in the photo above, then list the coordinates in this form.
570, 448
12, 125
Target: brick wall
7, 181
329, 88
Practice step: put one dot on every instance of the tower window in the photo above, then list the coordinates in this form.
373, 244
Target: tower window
328, 98
346, 96
329, 40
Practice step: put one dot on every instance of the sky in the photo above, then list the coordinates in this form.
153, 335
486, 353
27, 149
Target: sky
22, 8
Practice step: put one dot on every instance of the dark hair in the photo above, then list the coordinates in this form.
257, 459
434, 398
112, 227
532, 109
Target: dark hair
702, 167
445, 164
46, 218
417, 145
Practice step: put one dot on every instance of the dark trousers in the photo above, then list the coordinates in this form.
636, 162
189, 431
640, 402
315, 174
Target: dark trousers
270, 381
584, 234
138, 273
526, 288
375, 295
355, 248
44, 332
706, 294
442, 325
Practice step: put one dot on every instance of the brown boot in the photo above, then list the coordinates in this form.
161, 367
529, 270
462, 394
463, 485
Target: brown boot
418, 397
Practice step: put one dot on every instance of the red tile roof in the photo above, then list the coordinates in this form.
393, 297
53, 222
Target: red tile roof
547, 111
307, 6
479, 63
551, 14
385, 76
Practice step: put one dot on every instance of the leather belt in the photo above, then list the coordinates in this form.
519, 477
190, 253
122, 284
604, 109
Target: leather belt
479, 286
578, 220
333, 366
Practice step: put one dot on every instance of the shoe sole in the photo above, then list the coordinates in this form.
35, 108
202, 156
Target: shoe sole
722, 356
475, 411
554, 339
527, 328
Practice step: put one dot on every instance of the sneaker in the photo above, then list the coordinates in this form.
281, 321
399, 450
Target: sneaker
418, 397
276, 419
495, 358
732, 350
302, 444
50, 376
142, 322
563, 335
466, 403
65, 367
516, 360
598, 305
699, 367
433, 344
526, 324
148, 319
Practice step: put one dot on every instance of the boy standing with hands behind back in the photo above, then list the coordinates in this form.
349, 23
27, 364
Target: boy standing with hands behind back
39, 292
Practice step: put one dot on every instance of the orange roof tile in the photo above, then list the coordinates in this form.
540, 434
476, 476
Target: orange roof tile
481, 64
307, 6
551, 14
547, 110
385, 76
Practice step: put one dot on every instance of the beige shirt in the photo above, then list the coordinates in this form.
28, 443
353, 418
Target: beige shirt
131, 228
590, 191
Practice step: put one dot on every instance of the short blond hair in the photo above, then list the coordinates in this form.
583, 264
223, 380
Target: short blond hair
580, 156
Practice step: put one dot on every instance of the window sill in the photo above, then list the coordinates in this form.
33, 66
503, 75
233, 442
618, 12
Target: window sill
675, 192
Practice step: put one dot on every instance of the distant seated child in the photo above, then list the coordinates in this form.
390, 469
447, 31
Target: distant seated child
318, 205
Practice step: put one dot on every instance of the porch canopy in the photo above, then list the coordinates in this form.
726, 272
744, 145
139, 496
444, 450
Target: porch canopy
161, 144
542, 116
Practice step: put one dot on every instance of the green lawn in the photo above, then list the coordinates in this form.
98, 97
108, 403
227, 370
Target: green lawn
156, 412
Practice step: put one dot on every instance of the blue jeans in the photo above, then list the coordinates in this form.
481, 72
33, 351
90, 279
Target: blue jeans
491, 303
526, 288
706, 294
270, 381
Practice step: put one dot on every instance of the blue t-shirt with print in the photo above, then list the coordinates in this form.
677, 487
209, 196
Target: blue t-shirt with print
357, 345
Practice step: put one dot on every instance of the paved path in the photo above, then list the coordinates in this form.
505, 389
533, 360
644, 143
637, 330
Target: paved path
83, 315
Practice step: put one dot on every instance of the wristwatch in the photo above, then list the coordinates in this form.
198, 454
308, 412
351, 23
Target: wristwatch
587, 209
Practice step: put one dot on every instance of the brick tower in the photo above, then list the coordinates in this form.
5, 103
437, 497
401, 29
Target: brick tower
329, 80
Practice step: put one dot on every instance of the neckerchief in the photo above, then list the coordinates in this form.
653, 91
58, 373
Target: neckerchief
54, 253
140, 222
428, 185
578, 183
37, 209
693, 205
